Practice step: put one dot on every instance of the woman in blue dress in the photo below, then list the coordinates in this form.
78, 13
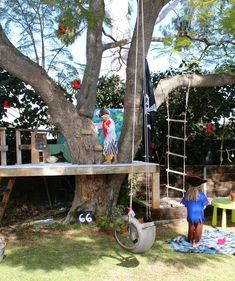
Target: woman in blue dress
195, 201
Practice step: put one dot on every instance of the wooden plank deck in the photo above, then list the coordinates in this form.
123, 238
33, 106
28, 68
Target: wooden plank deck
69, 169
61, 169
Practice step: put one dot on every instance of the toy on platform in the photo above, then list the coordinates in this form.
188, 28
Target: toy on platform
110, 149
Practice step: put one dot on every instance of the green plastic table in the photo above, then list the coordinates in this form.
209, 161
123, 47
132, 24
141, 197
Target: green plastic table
224, 203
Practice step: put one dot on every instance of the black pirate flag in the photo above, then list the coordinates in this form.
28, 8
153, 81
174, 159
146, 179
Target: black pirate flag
149, 116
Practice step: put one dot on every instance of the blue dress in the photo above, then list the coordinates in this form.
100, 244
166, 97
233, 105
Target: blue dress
195, 209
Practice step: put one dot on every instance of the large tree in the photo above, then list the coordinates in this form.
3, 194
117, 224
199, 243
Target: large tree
99, 193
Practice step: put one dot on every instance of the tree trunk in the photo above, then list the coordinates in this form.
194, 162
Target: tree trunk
100, 193
94, 49
138, 51
96, 193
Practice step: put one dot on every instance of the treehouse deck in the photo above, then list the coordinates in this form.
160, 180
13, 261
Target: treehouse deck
59, 169
10, 172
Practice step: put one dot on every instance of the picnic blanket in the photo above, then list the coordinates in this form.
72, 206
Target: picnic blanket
213, 241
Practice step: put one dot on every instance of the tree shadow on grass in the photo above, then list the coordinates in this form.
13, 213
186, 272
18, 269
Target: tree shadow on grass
85, 249
52, 253
124, 259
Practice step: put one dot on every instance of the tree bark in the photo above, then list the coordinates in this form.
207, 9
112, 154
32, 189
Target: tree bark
96, 193
138, 51
168, 85
99, 193
94, 50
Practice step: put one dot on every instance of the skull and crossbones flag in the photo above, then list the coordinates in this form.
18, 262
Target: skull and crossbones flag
149, 113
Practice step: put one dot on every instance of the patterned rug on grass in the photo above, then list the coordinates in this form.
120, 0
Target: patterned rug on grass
213, 241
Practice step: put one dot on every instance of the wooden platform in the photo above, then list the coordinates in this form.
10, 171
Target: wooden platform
61, 169
11, 172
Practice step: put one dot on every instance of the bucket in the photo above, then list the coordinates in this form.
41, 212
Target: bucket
2, 250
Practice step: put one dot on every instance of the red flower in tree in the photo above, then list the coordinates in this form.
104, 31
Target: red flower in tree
76, 84
154, 146
191, 138
6, 104
62, 29
209, 128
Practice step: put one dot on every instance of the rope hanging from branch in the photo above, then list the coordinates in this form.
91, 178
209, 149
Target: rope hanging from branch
129, 233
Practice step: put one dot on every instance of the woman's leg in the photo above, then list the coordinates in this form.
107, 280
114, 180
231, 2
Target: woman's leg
191, 231
198, 232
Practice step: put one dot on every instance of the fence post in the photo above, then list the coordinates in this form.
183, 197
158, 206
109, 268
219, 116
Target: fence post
3, 146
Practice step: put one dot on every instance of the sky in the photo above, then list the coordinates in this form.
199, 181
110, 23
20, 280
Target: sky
123, 26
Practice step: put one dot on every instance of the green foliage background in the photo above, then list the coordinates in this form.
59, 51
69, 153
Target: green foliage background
205, 105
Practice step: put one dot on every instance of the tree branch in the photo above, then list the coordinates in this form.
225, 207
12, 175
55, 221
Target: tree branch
116, 44
30, 31
168, 85
157, 39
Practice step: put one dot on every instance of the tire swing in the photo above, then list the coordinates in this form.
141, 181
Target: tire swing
128, 232
134, 236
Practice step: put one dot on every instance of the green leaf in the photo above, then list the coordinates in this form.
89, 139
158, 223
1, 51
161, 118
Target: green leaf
167, 41
182, 42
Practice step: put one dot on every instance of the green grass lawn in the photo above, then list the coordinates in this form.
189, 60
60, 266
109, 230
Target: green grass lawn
82, 253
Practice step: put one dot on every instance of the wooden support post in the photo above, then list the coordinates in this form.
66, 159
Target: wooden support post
3, 146
38, 147
47, 191
34, 151
155, 190
18, 150
6, 196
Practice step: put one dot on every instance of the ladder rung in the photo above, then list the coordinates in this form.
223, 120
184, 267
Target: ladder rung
176, 172
176, 120
175, 188
176, 154
176, 138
